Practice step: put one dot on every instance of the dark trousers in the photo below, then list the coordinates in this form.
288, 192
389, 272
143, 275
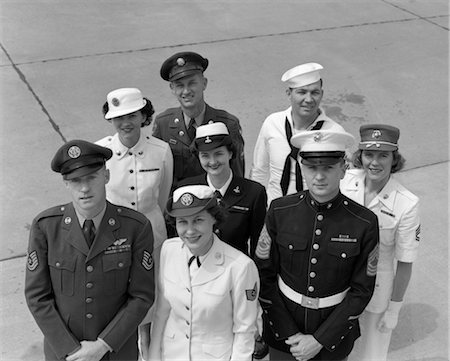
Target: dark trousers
277, 355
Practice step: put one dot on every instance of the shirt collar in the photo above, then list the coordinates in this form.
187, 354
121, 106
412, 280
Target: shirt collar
120, 150
224, 188
198, 119
97, 219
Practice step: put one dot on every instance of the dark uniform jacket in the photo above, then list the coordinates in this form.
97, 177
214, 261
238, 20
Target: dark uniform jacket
76, 293
318, 250
245, 201
170, 127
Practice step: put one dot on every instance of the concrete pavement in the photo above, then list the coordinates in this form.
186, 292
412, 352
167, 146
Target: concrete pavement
385, 61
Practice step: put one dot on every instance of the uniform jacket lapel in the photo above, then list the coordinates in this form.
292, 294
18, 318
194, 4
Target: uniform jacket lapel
213, 266
73, 233
388, 193
234, 192
104, 236
177, 128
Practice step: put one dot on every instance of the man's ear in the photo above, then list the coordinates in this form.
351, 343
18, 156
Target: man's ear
288, 92
107, 176
205, 83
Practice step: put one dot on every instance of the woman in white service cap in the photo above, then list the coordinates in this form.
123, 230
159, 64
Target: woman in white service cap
141, 167
373, 185
207, 306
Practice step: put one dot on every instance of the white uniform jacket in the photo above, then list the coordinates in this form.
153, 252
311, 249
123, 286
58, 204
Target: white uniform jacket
141, 178
209, 317
398, 216
272, 148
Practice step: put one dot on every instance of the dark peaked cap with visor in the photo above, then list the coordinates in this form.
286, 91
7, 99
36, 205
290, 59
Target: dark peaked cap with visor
183, 64
78, 158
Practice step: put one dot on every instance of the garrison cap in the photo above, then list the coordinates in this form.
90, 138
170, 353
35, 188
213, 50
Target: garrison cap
302, 75
322, 147
124, 101
189, 200
379, 137
211, 136
183, 64
78, 158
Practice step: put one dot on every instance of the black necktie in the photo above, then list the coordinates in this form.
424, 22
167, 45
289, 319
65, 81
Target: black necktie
192, 260
89, 231
286, 175
191, 129
218, 194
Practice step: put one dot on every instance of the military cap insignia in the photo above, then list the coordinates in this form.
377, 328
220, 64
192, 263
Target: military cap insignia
74, 152
264, 243
372, 262
376, 134
147, 261
187, 199
115, 102
317, 137
208, 140
181, 62
251, 294
32, 262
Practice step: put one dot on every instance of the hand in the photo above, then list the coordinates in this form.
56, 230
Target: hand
144, 340
303, 347
390, 317
89, 351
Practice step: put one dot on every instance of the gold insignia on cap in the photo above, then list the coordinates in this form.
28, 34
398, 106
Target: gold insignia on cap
376, 134
115, 102
208, 140
67, 220
317, 137
181, 62
187, 199
111, 221
74, 152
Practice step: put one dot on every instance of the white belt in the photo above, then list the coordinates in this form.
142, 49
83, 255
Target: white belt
310, 302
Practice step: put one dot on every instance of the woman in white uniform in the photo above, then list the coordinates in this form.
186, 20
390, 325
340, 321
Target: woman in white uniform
207, 305
141, 167
373, 186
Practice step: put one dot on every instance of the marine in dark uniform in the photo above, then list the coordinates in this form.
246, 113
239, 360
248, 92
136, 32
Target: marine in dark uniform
89, 278
176, 126
317, 257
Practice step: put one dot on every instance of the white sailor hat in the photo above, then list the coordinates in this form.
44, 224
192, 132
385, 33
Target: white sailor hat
189, 200
211, 136
302, 75
322, 147
124, 101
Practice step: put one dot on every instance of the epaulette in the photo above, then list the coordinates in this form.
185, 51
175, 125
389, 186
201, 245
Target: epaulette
130, 213
167, 113
52, 212
220, 113
288, 201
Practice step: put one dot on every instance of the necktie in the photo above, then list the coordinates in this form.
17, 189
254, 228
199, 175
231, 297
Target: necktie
89, 231
191, 129
218, 194
192, 259
286, 175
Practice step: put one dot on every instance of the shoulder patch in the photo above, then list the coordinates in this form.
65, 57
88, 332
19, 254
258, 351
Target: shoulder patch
32, 261
264, 244
251, 294
147, 261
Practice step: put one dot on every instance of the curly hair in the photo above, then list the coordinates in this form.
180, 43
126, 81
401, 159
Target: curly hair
398, 161
147, 111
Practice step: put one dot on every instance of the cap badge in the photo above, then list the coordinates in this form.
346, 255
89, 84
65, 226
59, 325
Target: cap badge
115, 102
208, 140
74, 152
376, 134
317, 137
187, 199
181, 62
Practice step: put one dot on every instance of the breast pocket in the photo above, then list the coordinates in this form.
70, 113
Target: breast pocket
342, 256
388, 227
62, 273
292, 248
116, 272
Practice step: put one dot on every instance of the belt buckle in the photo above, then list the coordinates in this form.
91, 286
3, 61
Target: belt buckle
310, 302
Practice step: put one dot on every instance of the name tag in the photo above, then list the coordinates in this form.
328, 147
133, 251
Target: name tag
388, 213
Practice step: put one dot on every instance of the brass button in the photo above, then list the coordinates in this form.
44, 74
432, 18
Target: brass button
316, 246
318, 232
89, 300
120, 264
313, 260
89, 285
58, 264
320, 217
311, 288
312, 274
344, 255
290, 246
89, 315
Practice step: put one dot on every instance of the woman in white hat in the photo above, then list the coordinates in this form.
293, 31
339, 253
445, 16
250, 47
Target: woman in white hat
207, 305
373, 186
141, 167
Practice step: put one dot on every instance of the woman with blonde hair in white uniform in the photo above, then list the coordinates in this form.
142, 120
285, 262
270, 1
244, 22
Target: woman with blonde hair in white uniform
373, 185
207, 305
